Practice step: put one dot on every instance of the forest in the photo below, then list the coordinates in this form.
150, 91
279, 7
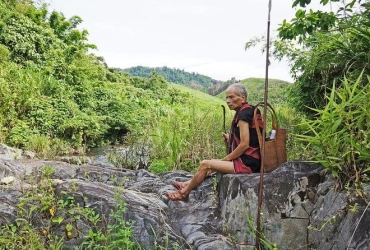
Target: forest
192, 80
58, 98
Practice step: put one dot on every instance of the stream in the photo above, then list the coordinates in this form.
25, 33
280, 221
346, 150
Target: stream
133, 157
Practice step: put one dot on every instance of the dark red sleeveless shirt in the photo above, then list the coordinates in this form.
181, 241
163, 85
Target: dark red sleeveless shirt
251, 157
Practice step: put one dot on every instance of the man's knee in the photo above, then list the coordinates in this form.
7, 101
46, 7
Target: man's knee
205, 165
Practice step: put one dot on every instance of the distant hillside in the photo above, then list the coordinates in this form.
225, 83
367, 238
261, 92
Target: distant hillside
277, 90
193, 80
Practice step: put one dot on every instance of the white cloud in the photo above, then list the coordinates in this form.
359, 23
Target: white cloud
199, 9
109, 28
168, 9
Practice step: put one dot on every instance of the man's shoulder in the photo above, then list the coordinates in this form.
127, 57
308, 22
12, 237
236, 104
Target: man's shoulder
249, 109
246, 114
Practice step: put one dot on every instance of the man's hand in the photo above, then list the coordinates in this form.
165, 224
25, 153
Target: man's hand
226, 137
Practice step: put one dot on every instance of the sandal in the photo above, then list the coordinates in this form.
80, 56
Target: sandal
177, 196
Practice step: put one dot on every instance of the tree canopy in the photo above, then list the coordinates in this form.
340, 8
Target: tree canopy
54, 87
329, 56
323, 47
179, 76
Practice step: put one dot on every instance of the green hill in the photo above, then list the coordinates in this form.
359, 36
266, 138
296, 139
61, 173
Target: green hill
202, 98
277, 90
193, 80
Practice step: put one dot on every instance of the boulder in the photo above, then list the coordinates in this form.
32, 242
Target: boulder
155, 220
9, 153
286, 204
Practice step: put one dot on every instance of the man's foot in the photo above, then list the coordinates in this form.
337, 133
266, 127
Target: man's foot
177, 196
179, 185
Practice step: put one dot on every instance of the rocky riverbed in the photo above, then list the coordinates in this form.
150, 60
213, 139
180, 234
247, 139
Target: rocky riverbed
301, 208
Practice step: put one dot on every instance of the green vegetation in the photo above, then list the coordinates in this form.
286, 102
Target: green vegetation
330, 46
51, 86
192, 80
56, 97
41, 212
340, 137
177, 136
277, 95
329, 57
182, 145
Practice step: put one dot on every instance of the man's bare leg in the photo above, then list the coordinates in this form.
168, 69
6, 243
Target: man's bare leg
206, 167
181, 185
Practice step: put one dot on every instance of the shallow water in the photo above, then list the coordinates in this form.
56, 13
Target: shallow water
100, 155
120, 156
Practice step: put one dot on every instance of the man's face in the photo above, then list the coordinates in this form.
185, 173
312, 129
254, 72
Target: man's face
233, 99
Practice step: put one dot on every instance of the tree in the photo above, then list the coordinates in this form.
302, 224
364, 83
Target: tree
322, 47
330, 59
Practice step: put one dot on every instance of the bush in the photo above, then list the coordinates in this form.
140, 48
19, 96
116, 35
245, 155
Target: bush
4, 54
340, 135
19, 134
39, 144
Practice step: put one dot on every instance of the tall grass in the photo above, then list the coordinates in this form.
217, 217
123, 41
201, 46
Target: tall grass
340, 134
292, 121
2, 132
185, 136
188, 133
39, 144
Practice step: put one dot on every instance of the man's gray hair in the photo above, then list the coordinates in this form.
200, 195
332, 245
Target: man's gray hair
240, 89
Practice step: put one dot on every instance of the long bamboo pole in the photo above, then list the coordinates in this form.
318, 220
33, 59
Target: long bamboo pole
224, 128
260, 190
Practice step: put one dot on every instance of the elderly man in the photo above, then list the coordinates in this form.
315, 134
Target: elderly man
244, 155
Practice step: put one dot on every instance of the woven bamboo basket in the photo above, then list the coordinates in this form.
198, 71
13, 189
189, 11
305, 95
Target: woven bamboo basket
275, 149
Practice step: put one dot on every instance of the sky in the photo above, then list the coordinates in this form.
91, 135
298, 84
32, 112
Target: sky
201, 36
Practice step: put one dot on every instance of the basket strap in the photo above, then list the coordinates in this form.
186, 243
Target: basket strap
270, 109
259, 134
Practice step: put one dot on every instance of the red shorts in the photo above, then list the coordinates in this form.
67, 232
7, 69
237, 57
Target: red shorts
240, 168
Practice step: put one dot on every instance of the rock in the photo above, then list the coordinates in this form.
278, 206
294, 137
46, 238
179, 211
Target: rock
285, 190
71, 159
8, 153
8, 207
145, 210
14, 168
301, 209
28, 154
334, 226
7, 180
